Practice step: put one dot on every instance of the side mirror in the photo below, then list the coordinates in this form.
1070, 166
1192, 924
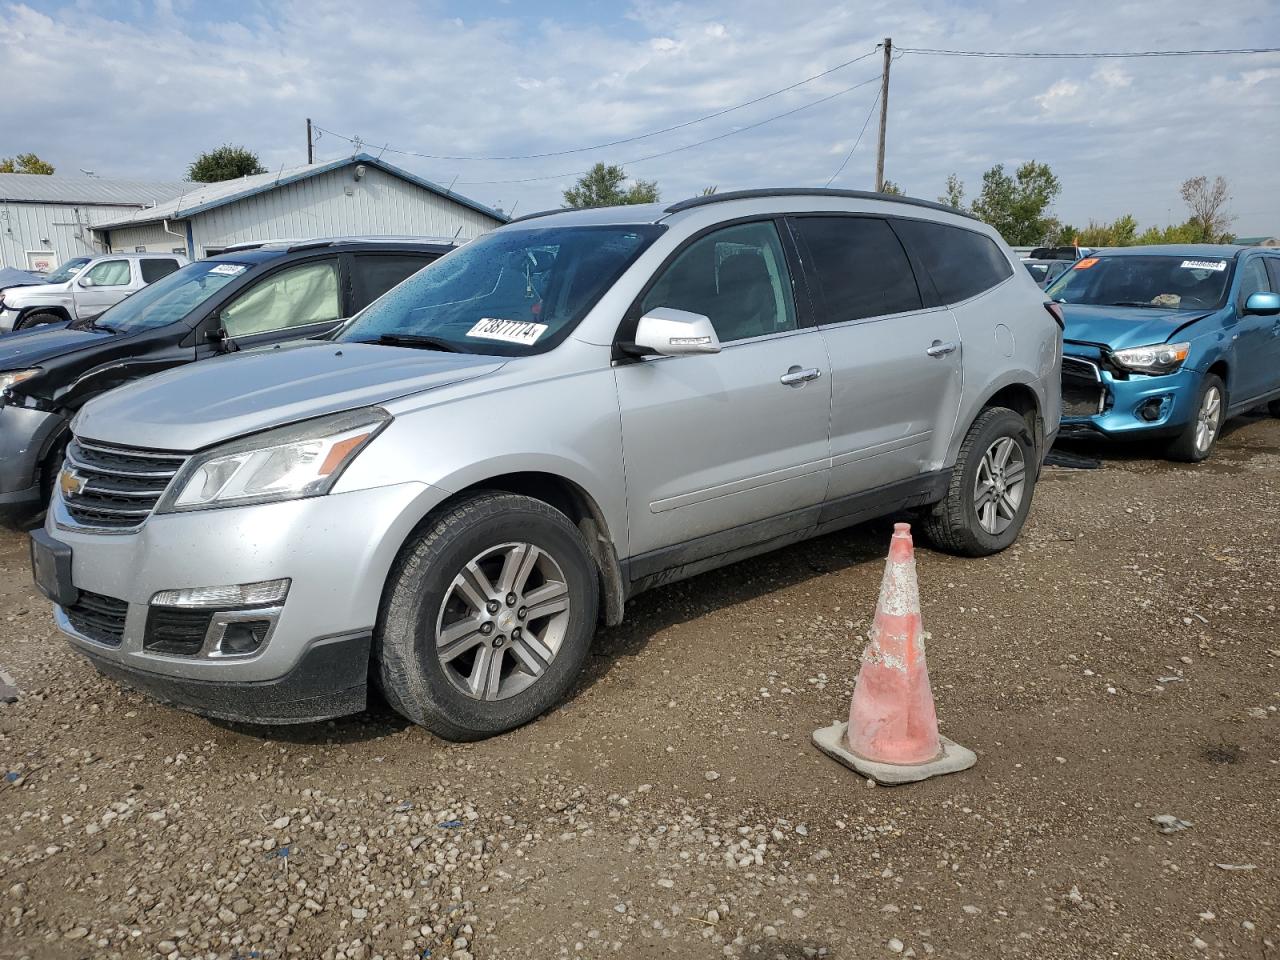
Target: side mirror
1263, 304
86, 281
675, 333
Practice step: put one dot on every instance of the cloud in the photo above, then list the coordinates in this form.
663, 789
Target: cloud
131, 89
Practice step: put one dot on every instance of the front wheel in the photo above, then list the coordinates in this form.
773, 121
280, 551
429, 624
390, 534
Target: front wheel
1195, 443
37, 319
1273, 408
487, 618
989, 496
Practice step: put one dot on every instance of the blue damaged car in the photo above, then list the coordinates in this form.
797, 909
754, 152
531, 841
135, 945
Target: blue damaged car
1167, 342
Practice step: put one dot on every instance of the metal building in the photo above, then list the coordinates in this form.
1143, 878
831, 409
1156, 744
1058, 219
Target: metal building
45, 220
355, 196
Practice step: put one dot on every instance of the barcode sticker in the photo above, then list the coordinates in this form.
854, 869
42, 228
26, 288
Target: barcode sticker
508, 331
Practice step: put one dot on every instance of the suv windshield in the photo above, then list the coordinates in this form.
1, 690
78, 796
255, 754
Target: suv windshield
511, 292
1168, 282
67, 270
171, 298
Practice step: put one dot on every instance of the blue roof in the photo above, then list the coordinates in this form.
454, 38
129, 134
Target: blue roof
207, 196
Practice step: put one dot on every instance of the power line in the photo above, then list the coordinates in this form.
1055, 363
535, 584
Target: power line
623, 140
870, 114
687, 146
1000, 55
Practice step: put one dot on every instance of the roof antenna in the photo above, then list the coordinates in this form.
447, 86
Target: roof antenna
449, 188
383, 150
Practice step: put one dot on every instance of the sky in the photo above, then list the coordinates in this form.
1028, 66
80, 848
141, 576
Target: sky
137, 88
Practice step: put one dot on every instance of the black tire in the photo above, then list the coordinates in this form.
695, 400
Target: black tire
1184, 447
37, 319
411, 675
1273, 408
953, 525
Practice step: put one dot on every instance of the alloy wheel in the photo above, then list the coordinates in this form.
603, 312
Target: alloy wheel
999, 486
1208, 419
503, 620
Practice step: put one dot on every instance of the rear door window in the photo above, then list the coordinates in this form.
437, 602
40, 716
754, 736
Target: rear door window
860, 267
375, 274
1253, 279
108, 273
961, 263
293, 297
1273, 268
153, 270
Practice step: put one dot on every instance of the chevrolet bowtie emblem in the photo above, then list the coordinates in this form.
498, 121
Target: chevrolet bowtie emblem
70, 483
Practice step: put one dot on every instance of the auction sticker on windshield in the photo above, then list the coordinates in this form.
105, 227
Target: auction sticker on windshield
228, 269
1214, 265
508, 331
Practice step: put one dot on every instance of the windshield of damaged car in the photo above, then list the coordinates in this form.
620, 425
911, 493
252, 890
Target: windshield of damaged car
67, 270
171, 298
1165, 282
511, 292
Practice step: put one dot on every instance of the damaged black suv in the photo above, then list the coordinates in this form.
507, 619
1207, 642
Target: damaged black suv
253, 295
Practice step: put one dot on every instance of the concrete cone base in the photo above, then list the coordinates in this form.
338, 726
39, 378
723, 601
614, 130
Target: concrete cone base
831, 741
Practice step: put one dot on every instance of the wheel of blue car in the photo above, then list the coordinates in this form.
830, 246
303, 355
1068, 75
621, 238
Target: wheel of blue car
1273, 408
1196, 441
487, 617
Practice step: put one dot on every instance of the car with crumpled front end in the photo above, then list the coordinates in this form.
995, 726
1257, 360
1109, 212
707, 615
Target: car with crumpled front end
1165, 343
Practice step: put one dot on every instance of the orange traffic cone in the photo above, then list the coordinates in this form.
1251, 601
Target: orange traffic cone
892, 733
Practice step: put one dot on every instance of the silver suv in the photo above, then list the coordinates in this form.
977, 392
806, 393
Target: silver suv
83, 292
446, 497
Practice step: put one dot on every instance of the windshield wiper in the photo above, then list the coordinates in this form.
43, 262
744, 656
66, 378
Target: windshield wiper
419, 341
103, 327
1137, 303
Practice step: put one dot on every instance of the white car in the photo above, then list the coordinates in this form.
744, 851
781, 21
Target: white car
85, 293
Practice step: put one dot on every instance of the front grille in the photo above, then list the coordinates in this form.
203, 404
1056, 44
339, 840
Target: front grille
1083, 394
97, 617
114, 487
176, 630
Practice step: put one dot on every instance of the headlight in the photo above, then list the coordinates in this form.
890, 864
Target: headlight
1155, 358
10, 377
289, 463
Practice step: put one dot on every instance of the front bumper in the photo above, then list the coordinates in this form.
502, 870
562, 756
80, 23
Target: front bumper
336, 550
1139, 406
24, 435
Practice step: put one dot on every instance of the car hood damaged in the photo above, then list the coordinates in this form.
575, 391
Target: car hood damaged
1121, 327
194, 407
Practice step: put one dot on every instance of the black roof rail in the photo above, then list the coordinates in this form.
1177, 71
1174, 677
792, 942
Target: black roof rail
811, 192
539, 213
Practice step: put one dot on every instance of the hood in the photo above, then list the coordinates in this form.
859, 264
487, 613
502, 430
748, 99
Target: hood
205, 403
30, 348
1121, 327
20, 294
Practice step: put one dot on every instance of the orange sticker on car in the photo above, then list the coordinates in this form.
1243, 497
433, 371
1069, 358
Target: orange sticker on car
1085, 264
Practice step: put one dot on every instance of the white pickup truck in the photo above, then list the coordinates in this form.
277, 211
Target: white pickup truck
102, 282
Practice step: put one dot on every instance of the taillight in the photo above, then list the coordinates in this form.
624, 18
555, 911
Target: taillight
1055, 311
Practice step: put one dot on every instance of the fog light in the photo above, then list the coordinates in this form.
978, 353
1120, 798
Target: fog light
1150, 409
243, 637
237, 595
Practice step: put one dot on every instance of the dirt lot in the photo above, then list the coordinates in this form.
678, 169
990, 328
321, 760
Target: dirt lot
675, 808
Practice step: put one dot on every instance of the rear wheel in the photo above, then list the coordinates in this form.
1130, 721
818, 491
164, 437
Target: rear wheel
38, 319
1273, 408
488, 617
989, 496
1195, 443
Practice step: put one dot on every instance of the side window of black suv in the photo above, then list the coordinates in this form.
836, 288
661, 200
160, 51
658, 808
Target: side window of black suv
373, 274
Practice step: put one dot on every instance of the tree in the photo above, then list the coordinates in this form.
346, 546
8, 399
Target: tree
954, 196
25, 163
227, 162
710, 191
1122, 232
1208, 202
1018, 206
891, 188
602, 186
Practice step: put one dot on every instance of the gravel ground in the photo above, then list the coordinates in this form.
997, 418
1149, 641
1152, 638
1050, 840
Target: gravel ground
1118, 665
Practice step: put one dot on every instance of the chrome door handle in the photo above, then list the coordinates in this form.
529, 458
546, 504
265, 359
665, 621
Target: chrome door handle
940, 349
796, 376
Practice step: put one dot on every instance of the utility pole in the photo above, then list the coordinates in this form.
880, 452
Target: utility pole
884, 111
311, 148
